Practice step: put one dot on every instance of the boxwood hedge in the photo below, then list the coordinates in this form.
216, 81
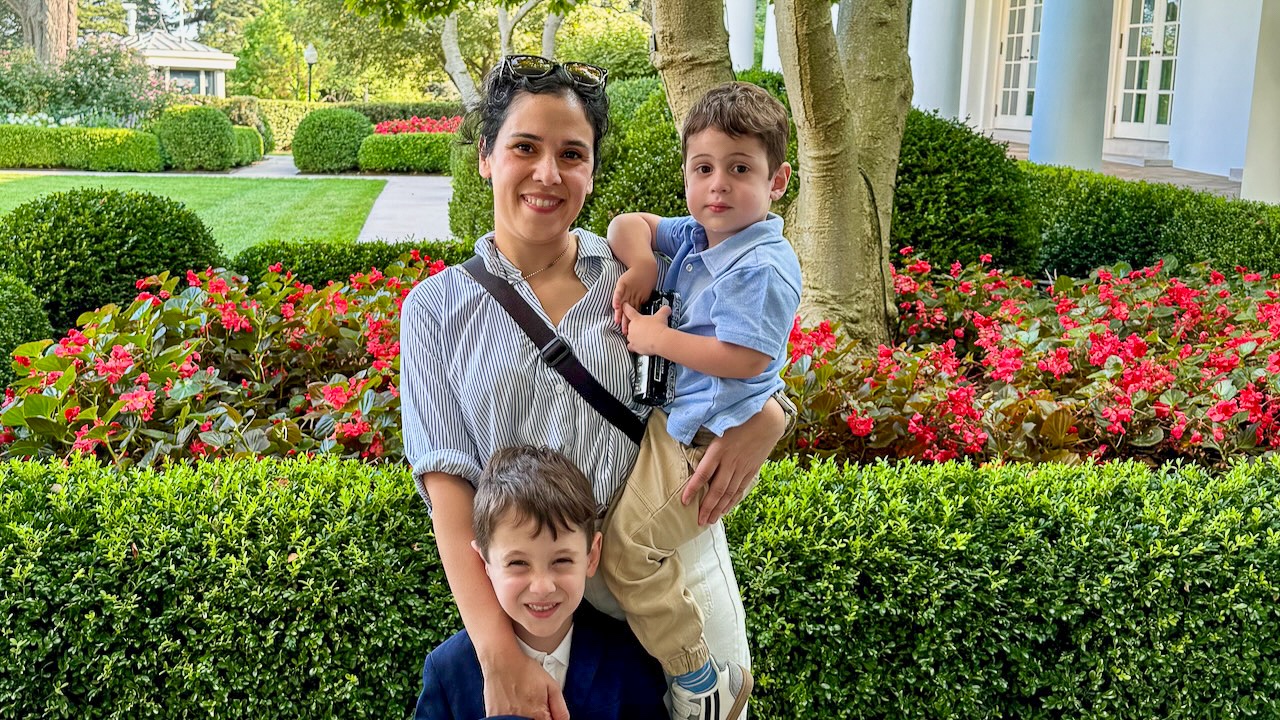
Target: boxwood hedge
248, 145
22, 320
407, 152
328, 140
196, 138
106, 149
316, 262
283, 116
312, 589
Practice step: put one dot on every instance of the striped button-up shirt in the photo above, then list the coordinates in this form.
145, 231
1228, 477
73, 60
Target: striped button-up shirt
473, 383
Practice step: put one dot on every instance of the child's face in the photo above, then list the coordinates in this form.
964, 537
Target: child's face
727, 182
539, 581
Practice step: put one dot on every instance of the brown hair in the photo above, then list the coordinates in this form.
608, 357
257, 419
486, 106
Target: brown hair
525, 483
737, 109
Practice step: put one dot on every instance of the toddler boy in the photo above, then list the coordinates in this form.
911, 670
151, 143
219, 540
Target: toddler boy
739, 283
534, 519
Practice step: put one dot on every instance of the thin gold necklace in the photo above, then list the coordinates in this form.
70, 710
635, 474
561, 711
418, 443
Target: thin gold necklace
525, 277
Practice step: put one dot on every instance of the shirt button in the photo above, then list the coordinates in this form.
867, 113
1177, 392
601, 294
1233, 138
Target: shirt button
688, 268
559, 387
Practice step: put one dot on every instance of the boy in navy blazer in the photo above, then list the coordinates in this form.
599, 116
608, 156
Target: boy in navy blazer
535, 523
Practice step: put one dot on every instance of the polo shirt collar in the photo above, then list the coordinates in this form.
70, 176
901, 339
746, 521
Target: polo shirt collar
723, 256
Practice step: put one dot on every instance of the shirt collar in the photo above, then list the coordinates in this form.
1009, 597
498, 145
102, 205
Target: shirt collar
560, 654
723, 256
590, 245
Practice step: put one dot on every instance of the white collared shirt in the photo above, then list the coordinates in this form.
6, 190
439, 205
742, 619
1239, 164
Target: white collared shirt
555, 663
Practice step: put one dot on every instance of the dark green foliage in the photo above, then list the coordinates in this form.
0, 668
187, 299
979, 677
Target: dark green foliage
110, 149
1088, 220
316, 262
958, 195
643, 170
1037, 592
620, 47
249, 590
407, 152
1226, 233
312, 589
471, 204
242, 110
22, 320
284, 115
329, 140
196, 138
248, 145
769, 80
84, 248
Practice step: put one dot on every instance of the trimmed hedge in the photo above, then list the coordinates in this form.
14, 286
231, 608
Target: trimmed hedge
329, 140
83, 248
284, 115
316, 262
407, 152
103, 149
471, 202
248, 145
313, 589
196, 138
242, 110
958, 195
22, 320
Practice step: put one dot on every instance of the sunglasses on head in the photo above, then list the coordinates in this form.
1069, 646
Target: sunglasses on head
528, 67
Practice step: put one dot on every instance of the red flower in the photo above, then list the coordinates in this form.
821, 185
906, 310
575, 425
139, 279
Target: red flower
860, 426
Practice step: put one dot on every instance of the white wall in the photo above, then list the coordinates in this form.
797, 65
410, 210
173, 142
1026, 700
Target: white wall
1214, 84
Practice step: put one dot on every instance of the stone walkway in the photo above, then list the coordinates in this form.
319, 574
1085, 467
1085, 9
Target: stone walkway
1216, 184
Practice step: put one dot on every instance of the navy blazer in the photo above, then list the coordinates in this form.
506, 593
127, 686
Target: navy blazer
610, 676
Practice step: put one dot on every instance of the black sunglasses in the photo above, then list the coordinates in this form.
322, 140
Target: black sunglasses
528, 67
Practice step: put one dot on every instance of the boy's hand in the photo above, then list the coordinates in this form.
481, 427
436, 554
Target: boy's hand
634, 288
644, 331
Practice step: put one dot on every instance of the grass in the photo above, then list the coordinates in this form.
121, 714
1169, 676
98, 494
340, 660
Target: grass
240, 212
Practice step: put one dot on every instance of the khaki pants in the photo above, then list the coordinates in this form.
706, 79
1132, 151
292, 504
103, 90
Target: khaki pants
643, 530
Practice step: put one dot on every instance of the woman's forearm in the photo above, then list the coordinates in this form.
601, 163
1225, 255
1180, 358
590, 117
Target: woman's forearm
486, 623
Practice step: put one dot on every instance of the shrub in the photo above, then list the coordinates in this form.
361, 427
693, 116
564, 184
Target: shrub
305, 589
313, 588
409, 152
85, 247
196, 138
242, 110
419, 125
248, 145
283, 117
317, 262
25, 83
471, 203
329, 140
80, 148
618, 41
625, 96
958, 196
383, 111
22, 320
102, 76
1225, 233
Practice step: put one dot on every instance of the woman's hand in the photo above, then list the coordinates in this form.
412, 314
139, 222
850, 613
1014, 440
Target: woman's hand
733, 461
516, 685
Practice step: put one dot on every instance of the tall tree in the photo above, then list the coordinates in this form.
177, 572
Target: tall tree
850, 90
48, 26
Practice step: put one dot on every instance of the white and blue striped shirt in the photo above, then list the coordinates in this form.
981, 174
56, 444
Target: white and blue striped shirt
473, 383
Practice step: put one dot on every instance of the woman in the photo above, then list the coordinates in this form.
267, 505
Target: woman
473, 383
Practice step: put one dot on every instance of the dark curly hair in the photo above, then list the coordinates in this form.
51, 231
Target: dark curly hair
501, 89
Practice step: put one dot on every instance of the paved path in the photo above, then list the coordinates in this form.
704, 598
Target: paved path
1216, 184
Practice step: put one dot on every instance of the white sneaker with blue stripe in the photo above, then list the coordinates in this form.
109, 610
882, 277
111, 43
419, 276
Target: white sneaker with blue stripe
725, 701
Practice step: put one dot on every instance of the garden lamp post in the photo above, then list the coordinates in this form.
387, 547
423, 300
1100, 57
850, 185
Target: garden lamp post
310, 55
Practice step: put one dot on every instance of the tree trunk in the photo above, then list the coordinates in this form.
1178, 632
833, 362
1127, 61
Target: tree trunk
48, 26
849, 97
690, 50
550, 27
455, 65
507, 24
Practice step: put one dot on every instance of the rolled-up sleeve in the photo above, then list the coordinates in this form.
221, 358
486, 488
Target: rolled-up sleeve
755, 308
436, 437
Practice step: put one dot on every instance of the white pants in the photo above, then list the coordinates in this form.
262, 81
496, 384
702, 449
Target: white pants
708, 573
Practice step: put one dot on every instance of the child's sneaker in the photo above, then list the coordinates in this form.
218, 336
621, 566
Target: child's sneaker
725, 701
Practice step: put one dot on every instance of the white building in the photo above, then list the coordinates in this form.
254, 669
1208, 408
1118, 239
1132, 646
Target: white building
1180, 82
189, 66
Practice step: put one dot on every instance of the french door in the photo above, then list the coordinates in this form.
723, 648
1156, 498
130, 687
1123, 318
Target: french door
1019, 50
1148, 66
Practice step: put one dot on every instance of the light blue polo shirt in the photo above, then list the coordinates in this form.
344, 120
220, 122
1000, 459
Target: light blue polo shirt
744, 291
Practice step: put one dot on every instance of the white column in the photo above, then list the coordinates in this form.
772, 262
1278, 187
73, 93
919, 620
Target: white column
1071, 83
936, 47
1262, 150
740, 21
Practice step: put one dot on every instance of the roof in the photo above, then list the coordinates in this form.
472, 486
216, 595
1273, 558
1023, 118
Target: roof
167, 42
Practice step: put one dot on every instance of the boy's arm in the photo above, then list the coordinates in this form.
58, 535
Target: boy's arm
632, 238
650, 335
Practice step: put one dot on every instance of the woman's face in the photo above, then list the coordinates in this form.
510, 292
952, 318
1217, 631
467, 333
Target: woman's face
540, 166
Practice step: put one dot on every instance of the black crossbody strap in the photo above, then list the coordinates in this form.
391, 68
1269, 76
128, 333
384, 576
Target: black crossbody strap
555, 351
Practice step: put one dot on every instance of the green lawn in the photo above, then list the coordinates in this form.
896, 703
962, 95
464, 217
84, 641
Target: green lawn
239, 211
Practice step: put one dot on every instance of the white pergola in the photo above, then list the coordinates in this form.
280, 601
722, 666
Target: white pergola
189, 66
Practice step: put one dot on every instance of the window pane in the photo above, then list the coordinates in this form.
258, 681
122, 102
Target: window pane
1031, 75
1135, 13
1140, 108
1017, 47
1145, 42
1163, 106
1166, 74
1126, 113
1035, 18
1171, 11
1144, 71
1031, 101
1035, 46
1130, 72
1148, 11
1170, 40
